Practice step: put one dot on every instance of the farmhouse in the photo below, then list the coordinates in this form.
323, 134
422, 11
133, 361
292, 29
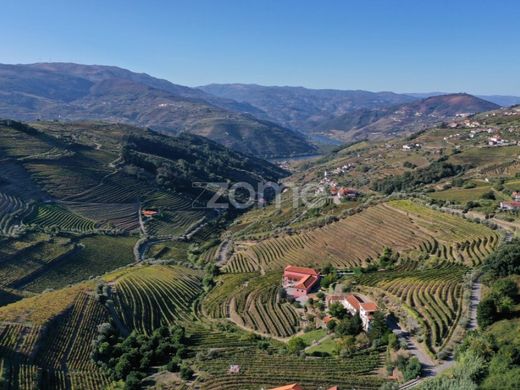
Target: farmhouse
149, 213
347, 193
299, 281
510, 206
354, 304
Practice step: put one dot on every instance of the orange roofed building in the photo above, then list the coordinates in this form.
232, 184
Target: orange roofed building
149, 213
299, 281
296, 386
354, 304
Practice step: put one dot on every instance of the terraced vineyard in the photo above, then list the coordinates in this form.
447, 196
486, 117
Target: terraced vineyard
17, 343
60, 177
171, 223
168, 200
259, 369
405, 226
92, 256
115, 188
52, 215
63, 357
67, 349
12, 211
253, 302
150, 296
122, 216
20, 265
434, 295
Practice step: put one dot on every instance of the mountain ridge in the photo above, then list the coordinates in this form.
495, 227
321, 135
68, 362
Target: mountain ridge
405, 118
67, 91
303, 108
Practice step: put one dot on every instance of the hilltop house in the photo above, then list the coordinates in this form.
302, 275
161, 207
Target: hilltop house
299, 281
354, 304
510, 206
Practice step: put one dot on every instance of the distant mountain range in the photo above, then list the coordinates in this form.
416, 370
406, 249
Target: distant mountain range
258, 120
301, 108
76, 92
501, 100
404, 118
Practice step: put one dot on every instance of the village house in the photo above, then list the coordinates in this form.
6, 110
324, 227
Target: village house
409, 147
516, 195
348, 193
343, 192
510, 206
299, 281
354, 304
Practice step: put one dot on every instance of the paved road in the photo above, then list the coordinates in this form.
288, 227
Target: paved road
476, 293
222, 256
429, 368
413, 347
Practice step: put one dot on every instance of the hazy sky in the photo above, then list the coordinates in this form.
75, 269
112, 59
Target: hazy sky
404, 46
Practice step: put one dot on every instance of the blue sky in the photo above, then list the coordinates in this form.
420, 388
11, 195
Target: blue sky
404, 46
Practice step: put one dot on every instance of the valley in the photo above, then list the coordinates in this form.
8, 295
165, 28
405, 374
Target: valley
102, 231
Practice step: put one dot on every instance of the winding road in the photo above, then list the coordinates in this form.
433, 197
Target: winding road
430, 368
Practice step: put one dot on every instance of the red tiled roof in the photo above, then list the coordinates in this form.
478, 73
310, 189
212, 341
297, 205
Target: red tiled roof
512, 203
327, 319
307, 282
334, 388
300, 270
345, 191
353, 300
369, 306
294, 386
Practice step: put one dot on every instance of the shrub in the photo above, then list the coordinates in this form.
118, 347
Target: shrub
186, 372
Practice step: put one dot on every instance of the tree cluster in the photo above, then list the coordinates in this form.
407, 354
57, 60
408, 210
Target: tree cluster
130, 359
411, 179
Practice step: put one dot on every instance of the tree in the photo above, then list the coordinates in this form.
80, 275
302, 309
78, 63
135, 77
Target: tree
378, 328
490, 195
173, 365
186, 372
132, 381
392, 342
123, 367
388, 258
296, 345
505, 261
337, 310
331, 325
349, 326
412, 369
504, 288
346, 346
486, 312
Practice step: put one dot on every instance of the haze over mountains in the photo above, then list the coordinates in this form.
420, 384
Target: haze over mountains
302, 108
74, 92
350, 115
257, 120
405, 118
